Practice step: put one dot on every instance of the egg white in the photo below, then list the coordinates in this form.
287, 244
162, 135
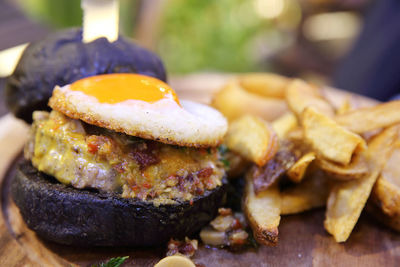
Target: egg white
191, 124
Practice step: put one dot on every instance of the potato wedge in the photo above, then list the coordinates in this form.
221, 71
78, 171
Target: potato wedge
345, 107
371, 118
296, 135
233, 101
357, 168
265, 84
382, 145
298, 170
311, 193
328, 138
384, 203
263, 213
345, 203
252, 138
284, 124
300, 95
347, 199
386, 194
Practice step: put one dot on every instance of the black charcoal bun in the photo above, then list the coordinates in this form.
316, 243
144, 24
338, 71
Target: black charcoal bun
70, 216
63, 58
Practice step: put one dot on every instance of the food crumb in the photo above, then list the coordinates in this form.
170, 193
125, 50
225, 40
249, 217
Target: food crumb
186, 248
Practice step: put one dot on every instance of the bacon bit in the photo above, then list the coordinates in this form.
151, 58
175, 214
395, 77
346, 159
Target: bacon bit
146, 185
92, 148
145, 157
225, 211
199, 190
209, 184
203, 151
205, 173
236, 224
187, 247
120, 167
134, 188
99, 142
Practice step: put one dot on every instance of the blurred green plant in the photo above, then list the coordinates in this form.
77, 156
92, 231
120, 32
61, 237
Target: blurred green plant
210, 35
55, 13
203, 35
68, 13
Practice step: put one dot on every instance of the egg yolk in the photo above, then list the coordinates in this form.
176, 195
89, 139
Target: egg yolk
119, 87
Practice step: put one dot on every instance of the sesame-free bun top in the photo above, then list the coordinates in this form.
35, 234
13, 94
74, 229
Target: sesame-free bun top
62, 58
140, 106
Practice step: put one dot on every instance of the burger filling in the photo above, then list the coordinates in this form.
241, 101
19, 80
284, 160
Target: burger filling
86, 156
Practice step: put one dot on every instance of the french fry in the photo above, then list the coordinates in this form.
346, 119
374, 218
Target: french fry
347, 199
233, 101
345, 203
284, 124
386, 192
329, 139
371, 118
385, 196
252, 138
381, 146
265, 84
298, 170
300, 95
311, 193
357, 168
344, 107
263, 213
296, 134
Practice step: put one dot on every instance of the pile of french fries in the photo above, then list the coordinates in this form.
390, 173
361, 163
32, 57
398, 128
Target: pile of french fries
306, 153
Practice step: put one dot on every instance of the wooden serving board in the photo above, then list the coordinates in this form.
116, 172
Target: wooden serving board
303, 240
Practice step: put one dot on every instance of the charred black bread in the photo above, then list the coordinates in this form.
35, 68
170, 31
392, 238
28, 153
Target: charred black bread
63, 58
87, 218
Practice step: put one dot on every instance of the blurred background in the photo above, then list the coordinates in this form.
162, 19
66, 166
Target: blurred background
319, 40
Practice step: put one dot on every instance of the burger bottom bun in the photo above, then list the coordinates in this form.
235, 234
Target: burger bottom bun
70, 216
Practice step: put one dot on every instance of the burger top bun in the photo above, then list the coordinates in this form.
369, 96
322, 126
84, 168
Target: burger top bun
63, 58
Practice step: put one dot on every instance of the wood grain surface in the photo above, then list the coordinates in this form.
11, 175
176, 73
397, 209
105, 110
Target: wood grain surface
303, 240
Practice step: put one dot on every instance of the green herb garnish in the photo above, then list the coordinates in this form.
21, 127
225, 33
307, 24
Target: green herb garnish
222, 149
225, 162
251, 240
113, 262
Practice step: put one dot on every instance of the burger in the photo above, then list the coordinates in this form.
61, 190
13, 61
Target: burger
119, 160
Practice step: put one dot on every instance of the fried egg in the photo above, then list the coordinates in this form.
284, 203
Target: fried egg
141, 106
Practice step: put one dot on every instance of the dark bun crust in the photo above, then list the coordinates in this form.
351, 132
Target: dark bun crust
86, 218
62, 58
